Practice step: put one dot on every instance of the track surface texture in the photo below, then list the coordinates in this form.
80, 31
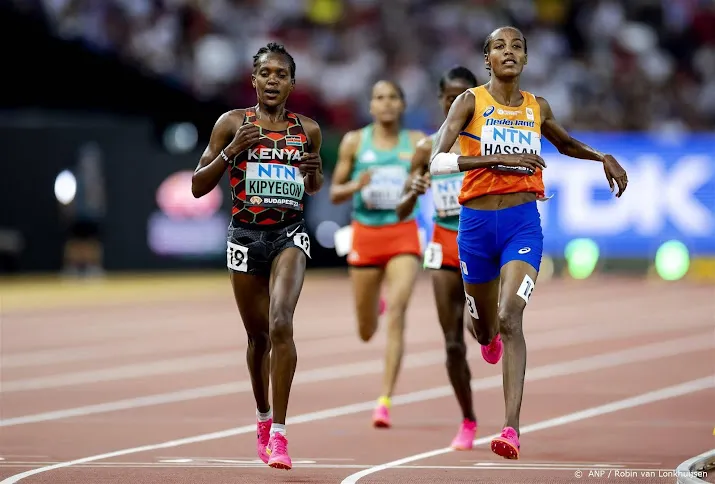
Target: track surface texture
143, 380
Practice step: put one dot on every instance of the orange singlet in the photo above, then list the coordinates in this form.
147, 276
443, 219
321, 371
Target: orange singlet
498, 129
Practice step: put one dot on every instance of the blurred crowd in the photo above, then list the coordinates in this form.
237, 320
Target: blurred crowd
602, 64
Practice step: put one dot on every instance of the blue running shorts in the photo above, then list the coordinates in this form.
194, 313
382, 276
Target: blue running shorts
488, 239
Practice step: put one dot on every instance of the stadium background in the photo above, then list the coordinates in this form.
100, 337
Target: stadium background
140, 84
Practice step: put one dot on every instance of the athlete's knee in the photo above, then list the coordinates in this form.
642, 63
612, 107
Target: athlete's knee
485, 335
510, 321
258, 339
396, 311
456, 351
483, 327
367, 329
367, 322
281, 325
396, 321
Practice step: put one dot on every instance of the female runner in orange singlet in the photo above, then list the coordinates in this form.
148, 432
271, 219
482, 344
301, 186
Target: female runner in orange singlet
500, 239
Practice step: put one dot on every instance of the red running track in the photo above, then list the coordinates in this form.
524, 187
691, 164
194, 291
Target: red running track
619, 386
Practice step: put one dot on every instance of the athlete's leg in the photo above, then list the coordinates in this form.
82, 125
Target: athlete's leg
286, 284
251, 294
481, 289
518, 278
451, 310
401, 272
479, 261
521, 259
449, 296
366, 282
482, 305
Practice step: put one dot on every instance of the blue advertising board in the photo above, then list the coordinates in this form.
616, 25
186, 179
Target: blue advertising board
670, 195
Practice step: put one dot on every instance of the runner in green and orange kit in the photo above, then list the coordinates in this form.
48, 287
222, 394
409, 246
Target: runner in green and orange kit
442, 256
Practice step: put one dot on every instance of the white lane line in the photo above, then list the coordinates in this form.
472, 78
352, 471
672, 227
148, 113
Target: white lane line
637, 401
100, 350
337, 372
539, 341
168, 366
134, 370
608, 360
554, 338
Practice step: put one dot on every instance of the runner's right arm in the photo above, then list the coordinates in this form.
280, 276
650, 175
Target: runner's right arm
341, 186
225, 143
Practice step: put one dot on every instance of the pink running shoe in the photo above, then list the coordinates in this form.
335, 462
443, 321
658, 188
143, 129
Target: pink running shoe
381, 417
382, 307
507, 444
278, 452
263, 435
465, 437
493, 351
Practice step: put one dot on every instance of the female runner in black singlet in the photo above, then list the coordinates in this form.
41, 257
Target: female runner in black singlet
273, 161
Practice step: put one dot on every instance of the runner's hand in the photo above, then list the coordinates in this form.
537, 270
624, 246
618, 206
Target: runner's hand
364, 179
420, 184
246, 136
309, 163
527, 163
615, 172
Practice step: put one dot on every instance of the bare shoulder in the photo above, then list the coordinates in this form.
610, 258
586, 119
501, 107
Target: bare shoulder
231, 119
308, 123
462, 108
543, 103
466, 96
312, 128
352, 138
235, 115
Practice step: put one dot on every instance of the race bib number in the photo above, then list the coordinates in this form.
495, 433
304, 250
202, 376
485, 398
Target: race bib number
386, 187
445, 194
433, 256
526, 288
471, 306
506, 140
274, 185
236, 257
302, 241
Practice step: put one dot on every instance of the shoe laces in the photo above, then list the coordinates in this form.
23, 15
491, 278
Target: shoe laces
279, 444
510, 433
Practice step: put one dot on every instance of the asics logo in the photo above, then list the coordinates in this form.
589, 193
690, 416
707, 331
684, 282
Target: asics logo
525, 250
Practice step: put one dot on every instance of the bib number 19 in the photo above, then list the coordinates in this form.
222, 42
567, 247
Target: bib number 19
302, 241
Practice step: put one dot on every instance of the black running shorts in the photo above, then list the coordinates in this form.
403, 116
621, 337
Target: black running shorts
252, 251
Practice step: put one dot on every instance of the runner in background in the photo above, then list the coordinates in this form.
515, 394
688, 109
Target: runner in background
372, 169
442, 256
